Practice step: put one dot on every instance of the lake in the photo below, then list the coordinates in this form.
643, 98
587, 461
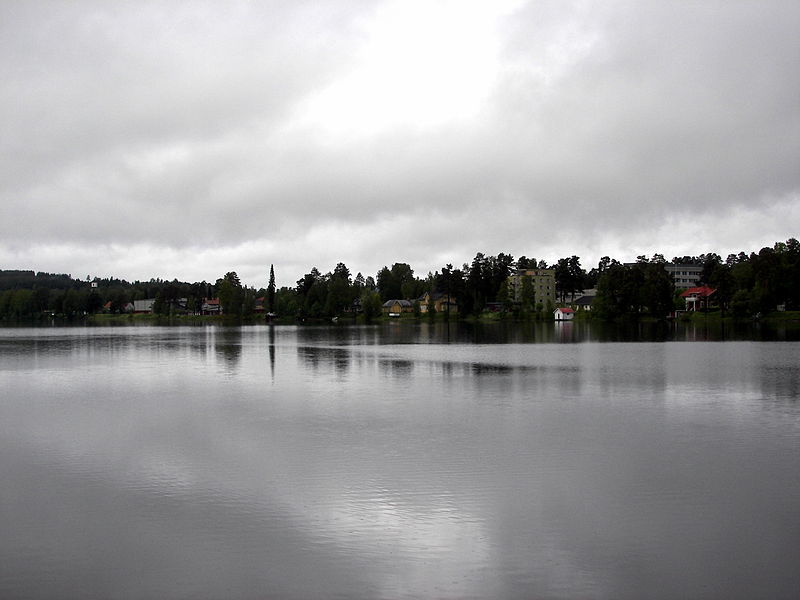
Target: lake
555, 460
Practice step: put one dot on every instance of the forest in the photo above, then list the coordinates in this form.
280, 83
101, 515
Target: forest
745, 284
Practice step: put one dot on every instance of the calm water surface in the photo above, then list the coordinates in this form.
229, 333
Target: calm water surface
398, 462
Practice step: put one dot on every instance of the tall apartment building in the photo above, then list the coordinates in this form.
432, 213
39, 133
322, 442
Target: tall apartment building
684, 276
544, 285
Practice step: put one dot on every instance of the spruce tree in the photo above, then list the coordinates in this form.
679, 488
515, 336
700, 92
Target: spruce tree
271, 291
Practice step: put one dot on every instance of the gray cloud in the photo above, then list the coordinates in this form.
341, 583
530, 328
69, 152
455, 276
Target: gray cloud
180, 128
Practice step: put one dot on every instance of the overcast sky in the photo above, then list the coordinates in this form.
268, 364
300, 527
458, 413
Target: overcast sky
187, 139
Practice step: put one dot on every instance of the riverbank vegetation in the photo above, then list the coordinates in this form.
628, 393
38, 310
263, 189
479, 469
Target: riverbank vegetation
746, 286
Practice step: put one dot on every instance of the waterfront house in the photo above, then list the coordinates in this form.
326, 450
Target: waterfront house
698, 298
441, 302
210, 306
126, 308
143, 306
564, 314
583, 302
394, 308
355, 307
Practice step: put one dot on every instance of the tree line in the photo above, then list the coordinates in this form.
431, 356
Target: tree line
746, 284
26, 294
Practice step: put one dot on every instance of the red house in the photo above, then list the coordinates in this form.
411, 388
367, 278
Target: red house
698, 298
211, 306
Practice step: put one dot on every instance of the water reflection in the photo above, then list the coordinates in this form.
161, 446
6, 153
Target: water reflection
488, 369
272, 351
505, 332
781, 382
396, 368
318, 357
714, 331
228, 346
397, 462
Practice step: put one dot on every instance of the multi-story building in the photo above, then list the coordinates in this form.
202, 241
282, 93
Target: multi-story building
543, 283
684, 276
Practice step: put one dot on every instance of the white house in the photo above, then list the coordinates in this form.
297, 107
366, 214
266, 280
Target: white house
564, 314
143, 306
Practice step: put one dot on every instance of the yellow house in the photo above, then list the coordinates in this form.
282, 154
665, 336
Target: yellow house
394, 308
441, 302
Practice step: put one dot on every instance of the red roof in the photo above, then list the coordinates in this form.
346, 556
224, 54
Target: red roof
565, 310
701, 292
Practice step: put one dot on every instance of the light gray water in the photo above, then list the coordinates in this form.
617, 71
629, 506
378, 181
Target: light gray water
396, 462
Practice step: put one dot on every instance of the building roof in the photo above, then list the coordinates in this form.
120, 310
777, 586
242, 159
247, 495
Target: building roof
437, 296
702, 292
535, 272
565, 310
433, 296
389, 303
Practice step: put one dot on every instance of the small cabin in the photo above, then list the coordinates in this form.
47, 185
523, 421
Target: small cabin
563, 314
